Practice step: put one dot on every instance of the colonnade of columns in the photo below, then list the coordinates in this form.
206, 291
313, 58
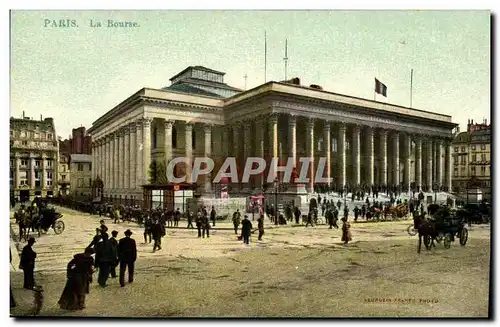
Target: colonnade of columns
394, 167
122, 158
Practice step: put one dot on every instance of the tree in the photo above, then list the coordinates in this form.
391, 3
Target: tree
157, 173
153, 172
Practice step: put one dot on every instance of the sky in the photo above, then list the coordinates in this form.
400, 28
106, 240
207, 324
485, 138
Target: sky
77, 74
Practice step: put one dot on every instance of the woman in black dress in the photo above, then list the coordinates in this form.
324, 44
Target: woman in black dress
79, 276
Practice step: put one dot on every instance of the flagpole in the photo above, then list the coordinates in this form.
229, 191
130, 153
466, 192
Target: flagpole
411, 87
265, 56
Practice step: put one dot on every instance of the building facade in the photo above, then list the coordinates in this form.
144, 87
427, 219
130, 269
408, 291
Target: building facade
472, 158
79, 142
363, 141
64, 175
34, 158
80, 166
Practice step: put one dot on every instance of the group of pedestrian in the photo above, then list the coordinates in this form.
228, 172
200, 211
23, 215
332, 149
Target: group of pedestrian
109, 254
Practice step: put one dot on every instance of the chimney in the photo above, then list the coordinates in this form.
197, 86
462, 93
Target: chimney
41, 119
23, 114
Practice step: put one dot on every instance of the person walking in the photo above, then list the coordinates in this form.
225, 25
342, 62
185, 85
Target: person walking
199, 223
236, 221
205, 226
213, 215
346, 231
158, 232
189, 219
107, 256
260, 225
177, 217
114, 245
127, 252
78, 273
246, 229
27, 264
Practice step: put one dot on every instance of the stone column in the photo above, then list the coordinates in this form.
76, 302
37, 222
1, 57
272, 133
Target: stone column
169, 124
146, 153
139, 177
107, 151
227, 144
55, 178
310, 152
369, 156
448, 160
32, 171
429, 165
439, 164
133, 156
247, 151
189, 150
94, 156
208, 153
121, 154
236, 154
418, 163
341, 155
434, 161
17, 163
356, 155
383, 157
259, 150
395, 158
273, 139
292, 138
116, 162
109, 158
327, 139
407, 161
126, 158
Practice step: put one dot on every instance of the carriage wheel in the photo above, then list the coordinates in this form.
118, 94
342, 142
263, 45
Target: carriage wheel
58, 227
439, 237
447, 241
411, 230
464, 235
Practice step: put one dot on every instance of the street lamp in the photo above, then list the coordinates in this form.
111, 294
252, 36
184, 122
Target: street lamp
278, 186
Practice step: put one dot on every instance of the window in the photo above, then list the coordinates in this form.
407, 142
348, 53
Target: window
49, 174
474, 157
90, 166
80, 167
462, 171
37, 135
49, 163
24, 162
193, 138
473, 170
483, 157
63, 177
49, 136
64, 168
456, 149
37, 175
90, 182
473, 147
37, 163
455, 172
463, 149
334, 145
23, 133
157, 198
483, 171
463, 160
174, 138
455, 160
483, 146
49, 183
24, 142
11, 162
80, 182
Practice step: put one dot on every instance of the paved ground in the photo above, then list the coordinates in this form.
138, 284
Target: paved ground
294, 271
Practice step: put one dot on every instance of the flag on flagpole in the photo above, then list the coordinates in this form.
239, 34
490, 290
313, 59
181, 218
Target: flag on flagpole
380, 88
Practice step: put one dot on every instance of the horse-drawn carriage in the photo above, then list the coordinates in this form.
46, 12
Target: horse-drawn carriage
39, 219
444, 226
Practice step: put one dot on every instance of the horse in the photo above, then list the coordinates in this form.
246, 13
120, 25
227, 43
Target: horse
426, 230
22, 221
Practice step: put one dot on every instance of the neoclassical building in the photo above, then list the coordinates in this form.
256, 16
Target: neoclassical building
363, 141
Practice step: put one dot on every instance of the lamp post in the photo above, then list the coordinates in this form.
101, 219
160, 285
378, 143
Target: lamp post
278, 186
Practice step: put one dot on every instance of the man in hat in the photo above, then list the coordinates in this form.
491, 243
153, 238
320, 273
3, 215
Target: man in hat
103, 227
114, 245
246, 229
27, 264
107, 257
127, 253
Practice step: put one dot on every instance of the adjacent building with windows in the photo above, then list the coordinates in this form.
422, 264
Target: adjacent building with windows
80, 166
34, 157
472, 157
64, 178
